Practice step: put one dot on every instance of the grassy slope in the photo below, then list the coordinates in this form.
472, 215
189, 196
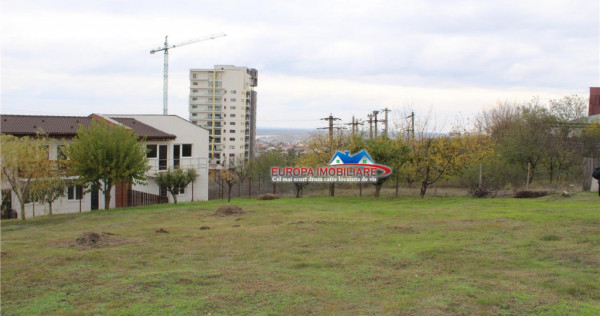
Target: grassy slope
314, 255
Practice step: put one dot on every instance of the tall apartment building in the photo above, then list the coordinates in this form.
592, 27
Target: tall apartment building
223, 101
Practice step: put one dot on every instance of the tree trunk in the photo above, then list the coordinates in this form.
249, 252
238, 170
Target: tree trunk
378, 189
174, 197
397, 185
107, 197
360, 189
332, 189
49, 208
274, 188
423, 189
250, 188
229, 193
22, 210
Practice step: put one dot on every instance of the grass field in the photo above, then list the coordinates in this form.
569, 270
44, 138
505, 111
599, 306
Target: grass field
317, 255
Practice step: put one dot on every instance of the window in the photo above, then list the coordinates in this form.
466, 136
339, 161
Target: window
232, 99
232, 139
231, 123
186, 150
194, 114
337, 161
194, 76
364, 160
231, 115
194, 99
231, 147
151, 151
232, 131
194, 83
233, 92
60, 152
194, 106
74, 192
232, 107
195, 91
231, 155
224, 99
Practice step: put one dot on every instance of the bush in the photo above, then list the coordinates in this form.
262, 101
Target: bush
480, 192
530, 194
268, 196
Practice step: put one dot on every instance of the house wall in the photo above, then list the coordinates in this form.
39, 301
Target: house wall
61, 206
186, 133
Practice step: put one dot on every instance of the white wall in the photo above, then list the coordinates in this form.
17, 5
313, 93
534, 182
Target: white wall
62, 205
186, 133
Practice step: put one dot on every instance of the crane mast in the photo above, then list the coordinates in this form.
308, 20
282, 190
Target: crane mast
165, 49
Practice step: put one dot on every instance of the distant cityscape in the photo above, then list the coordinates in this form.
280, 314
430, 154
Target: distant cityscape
268, 139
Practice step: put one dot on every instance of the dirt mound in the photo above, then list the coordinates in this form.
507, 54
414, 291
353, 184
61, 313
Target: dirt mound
97, 240
204, 228
530, 194
229, 210
268, 196
161, 231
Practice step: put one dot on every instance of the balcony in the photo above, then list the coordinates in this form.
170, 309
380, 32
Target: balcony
157, 165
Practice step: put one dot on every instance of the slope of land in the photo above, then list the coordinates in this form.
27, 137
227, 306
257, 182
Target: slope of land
317, 255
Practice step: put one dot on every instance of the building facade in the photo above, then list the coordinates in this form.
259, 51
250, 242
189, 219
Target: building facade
172, 142
223, 101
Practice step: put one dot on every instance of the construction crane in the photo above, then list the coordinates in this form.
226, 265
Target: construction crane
166, 48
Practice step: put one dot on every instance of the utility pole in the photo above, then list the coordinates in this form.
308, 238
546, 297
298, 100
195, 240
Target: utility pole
411, 130
166, 48
385, 131
354, 125
331, 119
370, 125
375, 120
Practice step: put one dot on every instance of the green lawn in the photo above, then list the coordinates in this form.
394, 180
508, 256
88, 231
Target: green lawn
318, 255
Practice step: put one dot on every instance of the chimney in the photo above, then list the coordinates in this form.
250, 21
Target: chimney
594, 101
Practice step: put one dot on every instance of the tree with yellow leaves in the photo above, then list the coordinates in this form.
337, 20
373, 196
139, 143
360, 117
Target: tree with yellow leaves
24, 159
435, 158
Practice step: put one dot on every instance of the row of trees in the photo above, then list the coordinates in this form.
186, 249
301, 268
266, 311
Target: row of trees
99, 157
511, 145
539, 143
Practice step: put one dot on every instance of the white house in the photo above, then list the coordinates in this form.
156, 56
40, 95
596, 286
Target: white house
172, 142
189, 149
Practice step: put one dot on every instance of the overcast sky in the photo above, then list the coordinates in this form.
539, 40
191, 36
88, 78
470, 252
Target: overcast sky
451, 58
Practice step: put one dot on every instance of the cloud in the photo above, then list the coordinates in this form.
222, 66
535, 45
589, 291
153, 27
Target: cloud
313, 57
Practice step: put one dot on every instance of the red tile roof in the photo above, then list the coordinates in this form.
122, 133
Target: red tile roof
67, 126
54, 126
144, 130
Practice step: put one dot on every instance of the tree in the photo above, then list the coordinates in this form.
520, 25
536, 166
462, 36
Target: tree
49, 190
390, 152
229, 177
106, 155
24, 160
435, 158
175, 180
320, 149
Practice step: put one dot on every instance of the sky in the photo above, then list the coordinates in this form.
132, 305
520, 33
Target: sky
446, 59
